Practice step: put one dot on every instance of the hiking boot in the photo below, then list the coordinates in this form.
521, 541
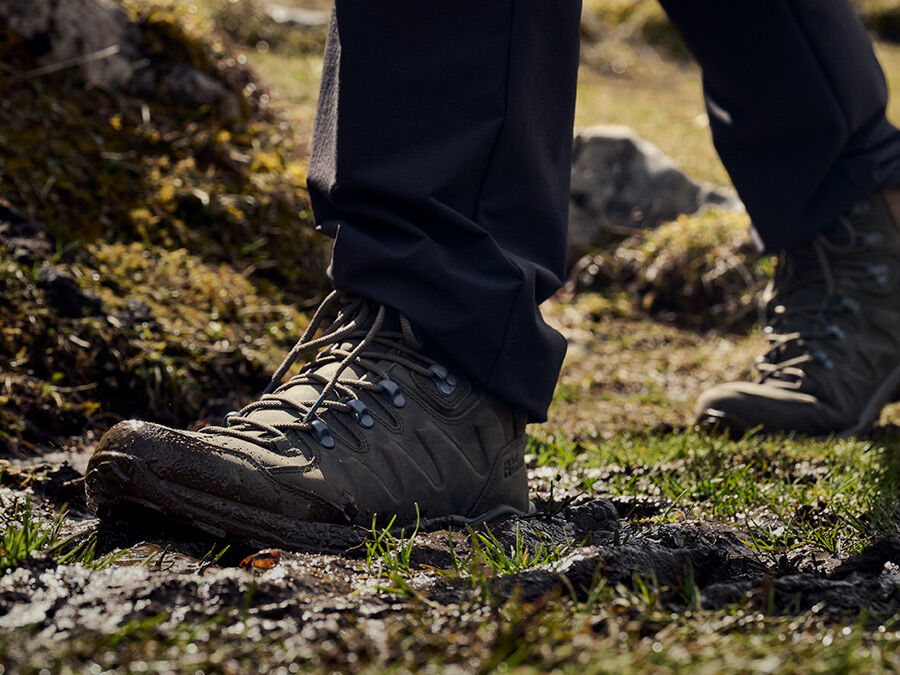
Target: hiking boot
371, 427
833, 327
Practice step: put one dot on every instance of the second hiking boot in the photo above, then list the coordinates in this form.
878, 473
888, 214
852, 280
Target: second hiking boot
833, 327
371, 427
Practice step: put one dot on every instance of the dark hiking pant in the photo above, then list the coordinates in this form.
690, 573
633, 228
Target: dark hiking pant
440, 159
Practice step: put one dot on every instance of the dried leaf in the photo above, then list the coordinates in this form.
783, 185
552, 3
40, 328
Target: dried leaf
264, 560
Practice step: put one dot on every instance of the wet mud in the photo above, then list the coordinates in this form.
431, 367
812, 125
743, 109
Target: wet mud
178, 575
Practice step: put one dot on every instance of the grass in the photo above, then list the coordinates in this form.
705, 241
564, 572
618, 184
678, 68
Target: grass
517, 557
388, 554
25, 534
783, 492
617, 424
624, 631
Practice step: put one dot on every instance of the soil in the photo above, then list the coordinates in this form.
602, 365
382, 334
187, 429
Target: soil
167, 572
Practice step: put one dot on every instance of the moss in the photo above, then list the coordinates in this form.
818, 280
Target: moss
167, 338
698, 270
94, 165
190, 242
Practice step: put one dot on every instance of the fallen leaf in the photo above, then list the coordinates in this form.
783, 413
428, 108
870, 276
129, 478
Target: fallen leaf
264, 560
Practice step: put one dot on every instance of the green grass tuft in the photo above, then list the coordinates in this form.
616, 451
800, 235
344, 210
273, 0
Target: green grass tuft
25, 534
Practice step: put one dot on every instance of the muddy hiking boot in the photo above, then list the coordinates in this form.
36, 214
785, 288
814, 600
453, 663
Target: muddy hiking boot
833, 327
370, 426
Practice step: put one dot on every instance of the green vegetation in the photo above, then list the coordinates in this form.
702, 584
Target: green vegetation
700, 269
184, 243
782, 492
25, 534
182, 264
624, 631
151, 332
95, 166
515, 558
388, 554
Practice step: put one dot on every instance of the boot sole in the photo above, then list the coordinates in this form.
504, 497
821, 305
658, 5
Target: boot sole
115, 480
886, 392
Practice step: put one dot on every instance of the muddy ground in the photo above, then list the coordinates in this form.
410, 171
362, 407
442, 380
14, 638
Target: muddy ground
339, 610
143, 274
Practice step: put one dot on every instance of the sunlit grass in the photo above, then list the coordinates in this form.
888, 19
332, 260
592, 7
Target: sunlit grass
782, 492
25, 533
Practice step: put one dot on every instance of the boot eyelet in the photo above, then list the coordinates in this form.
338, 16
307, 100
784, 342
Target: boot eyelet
871, 239
835, 332
823, 358
446, 383
320, 431
880, 274
393, 391
850, 305
361, 413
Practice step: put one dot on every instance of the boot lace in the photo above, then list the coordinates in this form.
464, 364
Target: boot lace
805, 308
356, 337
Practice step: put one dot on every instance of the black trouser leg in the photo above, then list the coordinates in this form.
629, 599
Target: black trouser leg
796, 102
440, 164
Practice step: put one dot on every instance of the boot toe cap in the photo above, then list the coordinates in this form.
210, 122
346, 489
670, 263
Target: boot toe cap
739, 407
153, 464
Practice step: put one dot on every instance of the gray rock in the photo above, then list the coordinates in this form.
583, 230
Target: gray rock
621, 182
96, 37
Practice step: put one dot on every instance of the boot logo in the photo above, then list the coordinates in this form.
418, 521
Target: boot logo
512, 464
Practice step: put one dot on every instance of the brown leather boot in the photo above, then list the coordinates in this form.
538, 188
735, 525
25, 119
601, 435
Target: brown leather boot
370, 426
833, 326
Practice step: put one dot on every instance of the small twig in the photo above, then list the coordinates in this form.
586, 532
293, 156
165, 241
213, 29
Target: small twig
112, 50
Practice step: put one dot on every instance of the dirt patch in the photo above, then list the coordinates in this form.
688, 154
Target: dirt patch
59, 483
173, 576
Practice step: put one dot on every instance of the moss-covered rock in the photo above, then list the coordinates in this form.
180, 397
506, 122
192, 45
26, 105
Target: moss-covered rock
178, 251
94, 165
141, 331
700, 271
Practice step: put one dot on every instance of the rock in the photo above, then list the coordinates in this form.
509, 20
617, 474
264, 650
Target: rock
57, 32
64, 294
621, 182
294, 16
96, 37
23, 239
